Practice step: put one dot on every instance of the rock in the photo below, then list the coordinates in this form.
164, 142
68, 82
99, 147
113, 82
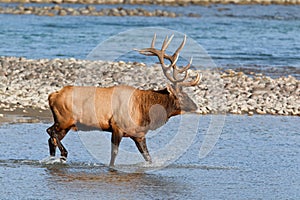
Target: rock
91, 8
194, 15
244, 108
62, 12
84, 12
57, 1
261, 111
250, 113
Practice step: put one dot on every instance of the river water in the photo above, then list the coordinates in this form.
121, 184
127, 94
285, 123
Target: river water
255, 157
249, 38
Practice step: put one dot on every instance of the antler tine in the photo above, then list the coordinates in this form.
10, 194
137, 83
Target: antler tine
176, 53
177, 71
153, 41
186, 67
166, 42
168, 76
172, 79
194, 82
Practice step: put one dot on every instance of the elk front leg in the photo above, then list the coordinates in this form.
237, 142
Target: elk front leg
142, 147
115, 142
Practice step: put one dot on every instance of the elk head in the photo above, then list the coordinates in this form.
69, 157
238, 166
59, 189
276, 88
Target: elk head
177, 76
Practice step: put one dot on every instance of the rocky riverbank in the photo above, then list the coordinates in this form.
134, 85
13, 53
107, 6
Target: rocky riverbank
26, 83
161, 2
57, 10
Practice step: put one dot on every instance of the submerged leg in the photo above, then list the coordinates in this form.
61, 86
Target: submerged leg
63, 150
52, 147
142, 147
51, 142
55, 141
115, 142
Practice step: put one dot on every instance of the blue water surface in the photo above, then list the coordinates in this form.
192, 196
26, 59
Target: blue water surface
258, 38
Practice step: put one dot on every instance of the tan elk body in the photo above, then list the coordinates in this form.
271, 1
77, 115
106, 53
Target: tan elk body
123, 110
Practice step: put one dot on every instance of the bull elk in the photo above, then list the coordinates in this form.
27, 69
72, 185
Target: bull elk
122, 110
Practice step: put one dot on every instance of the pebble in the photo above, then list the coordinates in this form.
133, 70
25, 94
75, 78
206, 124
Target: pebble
26, 83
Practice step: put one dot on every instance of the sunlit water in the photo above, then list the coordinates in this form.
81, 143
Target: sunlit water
255, 158
253, 38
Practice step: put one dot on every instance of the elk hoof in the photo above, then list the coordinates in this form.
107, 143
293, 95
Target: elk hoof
63, 159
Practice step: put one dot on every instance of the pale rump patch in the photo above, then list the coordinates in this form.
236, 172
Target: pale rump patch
84, 106
91, 107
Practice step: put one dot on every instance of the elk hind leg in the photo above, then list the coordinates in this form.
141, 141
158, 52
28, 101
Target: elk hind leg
55, 141
142, 147
52, 141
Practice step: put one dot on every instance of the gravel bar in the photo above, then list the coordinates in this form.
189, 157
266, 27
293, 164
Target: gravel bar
26, 83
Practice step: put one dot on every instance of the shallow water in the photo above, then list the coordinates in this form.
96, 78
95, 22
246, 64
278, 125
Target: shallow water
251, 38
255, 158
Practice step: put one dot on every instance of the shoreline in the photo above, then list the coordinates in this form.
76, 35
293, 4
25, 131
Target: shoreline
35, 115
27, 115
26, 83
89, 10
161, 2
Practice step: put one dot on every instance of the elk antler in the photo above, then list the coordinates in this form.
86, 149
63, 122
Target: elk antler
177, 79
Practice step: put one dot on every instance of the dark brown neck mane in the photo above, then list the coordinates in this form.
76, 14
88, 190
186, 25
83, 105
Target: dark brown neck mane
150, 98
